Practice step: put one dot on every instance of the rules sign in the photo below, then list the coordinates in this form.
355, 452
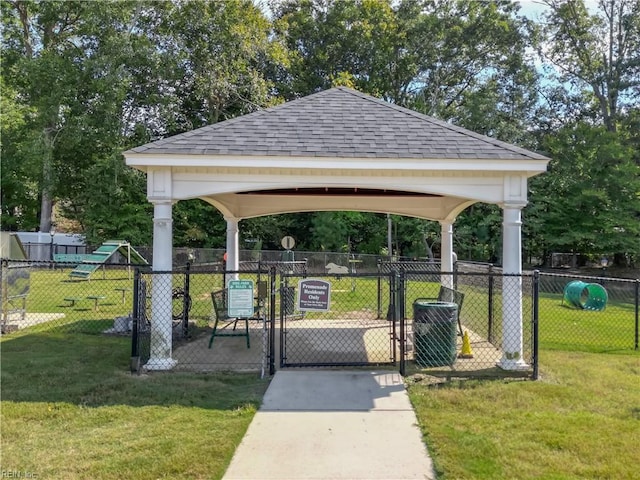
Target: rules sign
314, 295
240, 301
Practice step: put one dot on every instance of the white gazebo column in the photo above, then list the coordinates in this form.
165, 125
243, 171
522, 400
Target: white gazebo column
446, 254
233, 248
161, 284
512, 343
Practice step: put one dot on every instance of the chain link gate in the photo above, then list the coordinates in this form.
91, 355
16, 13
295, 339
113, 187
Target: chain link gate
342, 319
205, 333
337, 321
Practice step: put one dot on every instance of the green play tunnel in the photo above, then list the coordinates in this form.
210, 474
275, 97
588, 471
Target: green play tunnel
587, 296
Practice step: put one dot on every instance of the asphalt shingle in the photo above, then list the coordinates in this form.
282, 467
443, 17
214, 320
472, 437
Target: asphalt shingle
338, 122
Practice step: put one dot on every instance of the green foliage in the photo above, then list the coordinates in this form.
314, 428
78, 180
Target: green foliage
198, 224
589, 201
478, 233
83, 81
597, 51
219, 52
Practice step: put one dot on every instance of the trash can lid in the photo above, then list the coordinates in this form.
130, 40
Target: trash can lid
434, 304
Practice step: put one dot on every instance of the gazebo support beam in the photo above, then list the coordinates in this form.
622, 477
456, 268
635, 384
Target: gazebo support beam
446, 244
233, 248
512, 341
161, 321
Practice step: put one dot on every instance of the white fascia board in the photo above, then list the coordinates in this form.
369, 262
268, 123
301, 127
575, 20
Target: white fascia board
418, 182
484, 189
218, 182
310, 163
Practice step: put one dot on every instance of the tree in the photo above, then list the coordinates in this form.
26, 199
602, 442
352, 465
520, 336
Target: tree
589, 201
18, 194
596, 51
70, 64
220, 55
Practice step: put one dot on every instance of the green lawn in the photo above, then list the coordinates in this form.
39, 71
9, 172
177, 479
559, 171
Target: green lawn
568, 328
71, 410
580, 421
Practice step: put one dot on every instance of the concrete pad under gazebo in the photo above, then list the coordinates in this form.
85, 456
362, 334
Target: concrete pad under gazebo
338, 149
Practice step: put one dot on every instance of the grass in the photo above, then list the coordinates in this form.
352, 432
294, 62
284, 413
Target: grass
71, 410
580, 421
567, 328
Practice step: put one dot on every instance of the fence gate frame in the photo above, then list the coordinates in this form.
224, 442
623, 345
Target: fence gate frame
287, 311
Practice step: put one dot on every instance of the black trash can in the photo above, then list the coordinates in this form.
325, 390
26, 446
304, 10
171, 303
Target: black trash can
434, 332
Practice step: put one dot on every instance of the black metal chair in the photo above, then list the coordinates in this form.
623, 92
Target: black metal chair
220, 305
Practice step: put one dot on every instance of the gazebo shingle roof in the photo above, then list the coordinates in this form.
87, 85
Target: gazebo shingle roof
339, 122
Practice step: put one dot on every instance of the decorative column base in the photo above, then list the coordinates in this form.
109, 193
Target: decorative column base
158, 364
512, 364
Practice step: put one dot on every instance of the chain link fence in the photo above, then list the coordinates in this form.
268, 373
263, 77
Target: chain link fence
335, 320
187, 330
407, 314
586, 313
42, 296
476, 325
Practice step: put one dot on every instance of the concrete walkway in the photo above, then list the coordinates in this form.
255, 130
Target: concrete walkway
356, 425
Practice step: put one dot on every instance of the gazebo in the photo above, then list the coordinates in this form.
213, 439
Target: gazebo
338, 149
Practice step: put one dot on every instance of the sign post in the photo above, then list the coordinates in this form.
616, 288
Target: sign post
288, 256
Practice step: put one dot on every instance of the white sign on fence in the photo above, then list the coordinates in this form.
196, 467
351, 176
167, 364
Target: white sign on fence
240, 301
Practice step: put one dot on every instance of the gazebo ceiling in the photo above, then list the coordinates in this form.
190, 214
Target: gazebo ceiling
336, 150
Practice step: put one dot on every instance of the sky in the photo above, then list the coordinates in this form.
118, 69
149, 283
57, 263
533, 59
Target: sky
533, 8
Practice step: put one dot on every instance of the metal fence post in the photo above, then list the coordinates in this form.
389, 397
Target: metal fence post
490, 305
637, 312
135, 353
186, 301
283, 303
394, 283
455, 275
402, 293
379, 265
535, 318
272, 319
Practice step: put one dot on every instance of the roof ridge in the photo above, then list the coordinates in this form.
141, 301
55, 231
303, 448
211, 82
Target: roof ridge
437, 121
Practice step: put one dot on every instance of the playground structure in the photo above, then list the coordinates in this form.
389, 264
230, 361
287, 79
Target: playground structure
93, 261
586, 296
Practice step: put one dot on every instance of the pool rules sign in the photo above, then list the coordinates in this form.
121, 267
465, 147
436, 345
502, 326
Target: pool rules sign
314, 295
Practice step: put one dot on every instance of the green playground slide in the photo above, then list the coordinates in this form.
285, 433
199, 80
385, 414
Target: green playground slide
99, 257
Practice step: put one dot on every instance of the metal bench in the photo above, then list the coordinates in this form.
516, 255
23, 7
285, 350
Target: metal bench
220, 307
72, 301
95, 299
